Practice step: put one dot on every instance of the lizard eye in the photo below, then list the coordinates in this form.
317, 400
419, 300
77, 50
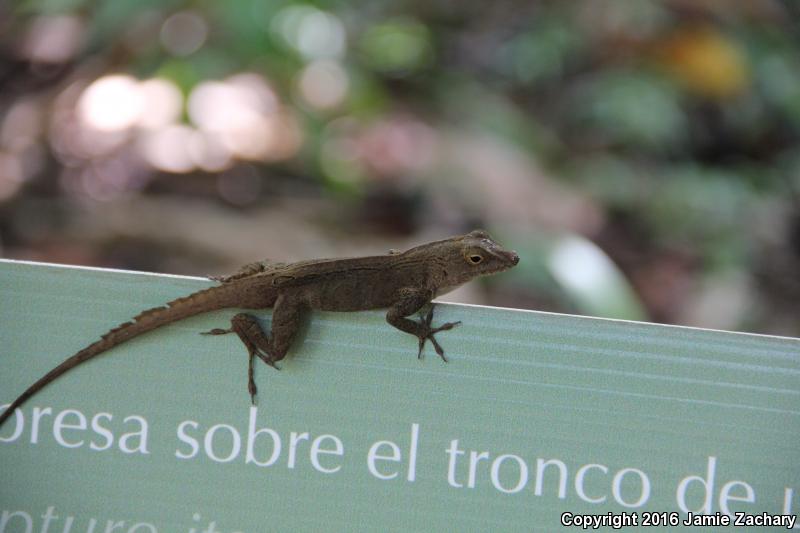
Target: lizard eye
475, 259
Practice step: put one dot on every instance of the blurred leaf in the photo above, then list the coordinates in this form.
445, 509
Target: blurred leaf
779, 78
612, 180
542, 52
397, 46
574, 270
592, 280
706, 61
701, 207
631, 108
50, 7
182, 73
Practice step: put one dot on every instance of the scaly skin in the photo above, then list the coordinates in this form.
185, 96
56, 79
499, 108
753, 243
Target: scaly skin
403, 282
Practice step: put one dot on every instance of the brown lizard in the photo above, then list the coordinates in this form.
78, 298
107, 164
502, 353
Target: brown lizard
403, 282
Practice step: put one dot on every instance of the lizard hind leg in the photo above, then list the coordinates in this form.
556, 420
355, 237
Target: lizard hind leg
287, 316
255, 340
252, 336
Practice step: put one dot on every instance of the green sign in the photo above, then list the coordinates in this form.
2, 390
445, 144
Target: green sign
539, 421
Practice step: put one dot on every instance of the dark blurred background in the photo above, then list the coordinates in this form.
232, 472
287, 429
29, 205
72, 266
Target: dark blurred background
641, 156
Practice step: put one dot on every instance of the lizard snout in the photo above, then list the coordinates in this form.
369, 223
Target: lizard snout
513, 257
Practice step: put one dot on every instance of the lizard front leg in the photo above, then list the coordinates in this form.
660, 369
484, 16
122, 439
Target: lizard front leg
287, 317
411, 301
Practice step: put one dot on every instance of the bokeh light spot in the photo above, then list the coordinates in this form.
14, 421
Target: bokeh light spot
246, 117
53, 39
111, 103
168, 149
312, 32
323, 84
208, 152
162, 103
11, 176
184, 33
21, 125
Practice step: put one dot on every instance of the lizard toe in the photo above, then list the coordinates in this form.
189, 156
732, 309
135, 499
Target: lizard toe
437, 347
216, 331
445, 327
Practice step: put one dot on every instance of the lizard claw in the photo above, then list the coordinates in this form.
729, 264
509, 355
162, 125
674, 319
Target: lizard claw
438, 348
253, 390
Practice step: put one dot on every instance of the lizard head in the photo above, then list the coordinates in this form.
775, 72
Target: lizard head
482, 255
469, 256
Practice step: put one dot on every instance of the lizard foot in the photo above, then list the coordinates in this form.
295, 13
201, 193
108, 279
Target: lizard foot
255, 341
252, 349
427, 334
251, 382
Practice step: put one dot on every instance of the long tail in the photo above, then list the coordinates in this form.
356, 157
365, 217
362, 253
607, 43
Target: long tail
213, 298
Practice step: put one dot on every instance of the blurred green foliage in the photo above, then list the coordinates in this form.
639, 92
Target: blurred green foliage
664, 131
